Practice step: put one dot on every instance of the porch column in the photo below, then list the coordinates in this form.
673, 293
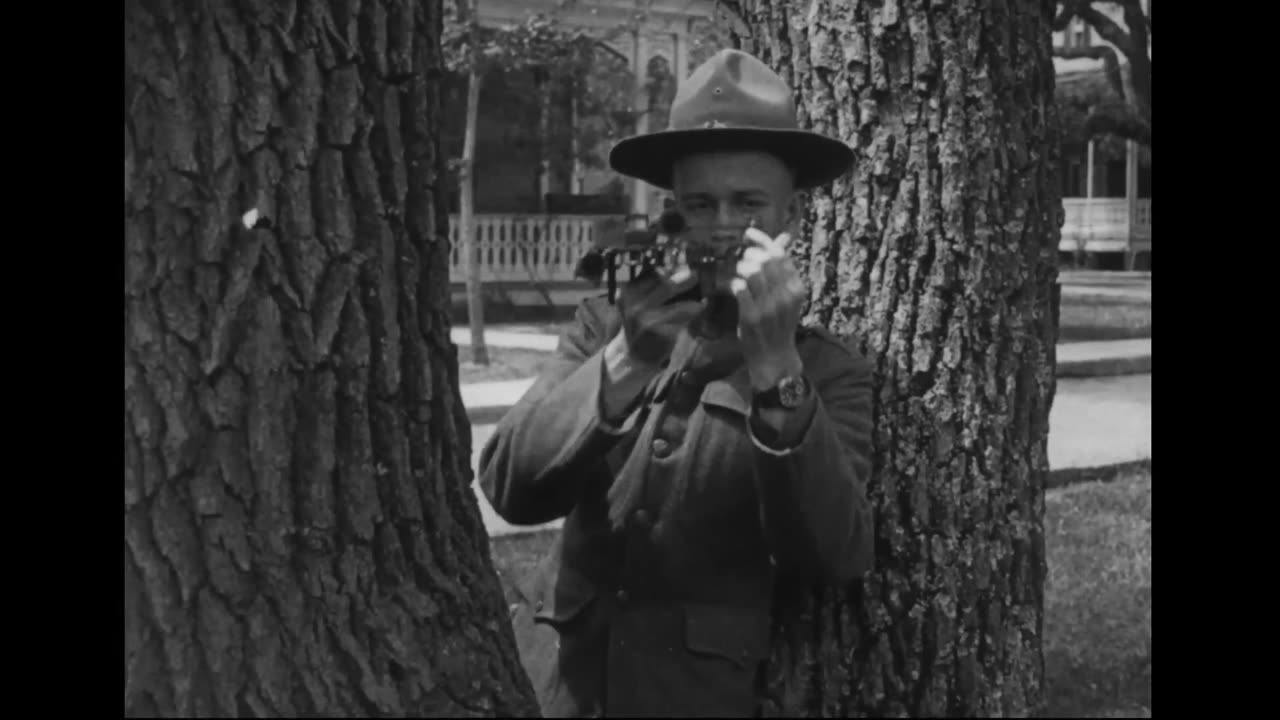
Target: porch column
1088, 171
1131, 182
1086, 220
680, 56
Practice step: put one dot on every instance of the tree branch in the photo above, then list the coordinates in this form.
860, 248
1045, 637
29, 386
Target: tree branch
732, 7
1069, 10
1119, 120
1140, 61
1129, 6
463, 11
1110, 63
1108, 29
1138, 23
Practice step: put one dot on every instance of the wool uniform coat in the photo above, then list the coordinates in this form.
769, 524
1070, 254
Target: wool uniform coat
669, 615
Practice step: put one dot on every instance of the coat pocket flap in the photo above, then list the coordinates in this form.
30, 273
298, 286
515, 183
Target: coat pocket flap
736, 634
564, 599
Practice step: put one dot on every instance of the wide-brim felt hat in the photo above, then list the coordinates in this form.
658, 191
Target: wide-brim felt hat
733, 102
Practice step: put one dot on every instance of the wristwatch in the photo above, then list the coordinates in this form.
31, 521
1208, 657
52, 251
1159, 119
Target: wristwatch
790, 392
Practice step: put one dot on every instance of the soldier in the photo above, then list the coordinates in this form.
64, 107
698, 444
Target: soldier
699, 445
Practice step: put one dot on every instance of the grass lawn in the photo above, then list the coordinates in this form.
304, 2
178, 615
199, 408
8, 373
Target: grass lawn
1097, 627
1103, 317
1097, 630
504, 364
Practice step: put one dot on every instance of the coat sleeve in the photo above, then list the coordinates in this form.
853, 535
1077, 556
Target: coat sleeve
814, 505
534, 466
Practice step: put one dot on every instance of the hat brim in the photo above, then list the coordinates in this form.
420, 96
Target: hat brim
816, 159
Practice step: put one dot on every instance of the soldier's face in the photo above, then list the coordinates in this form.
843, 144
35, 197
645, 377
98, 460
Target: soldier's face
721, 194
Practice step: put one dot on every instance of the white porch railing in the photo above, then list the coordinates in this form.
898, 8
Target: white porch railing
551, 245
1105, 220
510, 245
1142, 219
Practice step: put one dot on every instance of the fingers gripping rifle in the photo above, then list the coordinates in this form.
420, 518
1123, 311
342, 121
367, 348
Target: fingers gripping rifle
640, 252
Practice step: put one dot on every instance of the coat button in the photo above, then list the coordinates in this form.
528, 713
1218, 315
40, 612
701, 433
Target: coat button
622, 597
661, 448
679, 399
689, 378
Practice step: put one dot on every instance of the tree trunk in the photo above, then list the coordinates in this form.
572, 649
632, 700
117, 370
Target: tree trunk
467, 219
575, 144
301, 538
937, 257
542, 81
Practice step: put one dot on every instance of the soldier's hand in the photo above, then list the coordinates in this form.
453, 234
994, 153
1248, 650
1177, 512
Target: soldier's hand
771, 294
654, 309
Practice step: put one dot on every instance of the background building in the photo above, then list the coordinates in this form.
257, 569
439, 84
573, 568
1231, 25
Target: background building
543, 189
1106, 182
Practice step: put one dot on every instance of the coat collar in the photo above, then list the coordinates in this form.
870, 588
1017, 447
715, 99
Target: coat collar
733, 392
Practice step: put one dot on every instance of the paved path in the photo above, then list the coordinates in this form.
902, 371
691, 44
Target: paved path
1112, 277
1134, 293
1094, 421
503, 393
1100, 421
519, 336
1136, 286
1103, 350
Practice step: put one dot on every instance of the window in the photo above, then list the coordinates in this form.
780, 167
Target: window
1077, 35
1082, 34
1073, 178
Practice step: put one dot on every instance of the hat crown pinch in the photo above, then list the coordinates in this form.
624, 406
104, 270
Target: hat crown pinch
733, 89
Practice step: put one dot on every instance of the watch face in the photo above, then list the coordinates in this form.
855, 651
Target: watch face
792, 391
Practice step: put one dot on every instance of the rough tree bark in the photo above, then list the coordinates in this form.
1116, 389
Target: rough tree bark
300, 536
937, 257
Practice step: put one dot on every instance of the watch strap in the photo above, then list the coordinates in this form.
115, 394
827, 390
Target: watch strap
773, 397
768, 399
